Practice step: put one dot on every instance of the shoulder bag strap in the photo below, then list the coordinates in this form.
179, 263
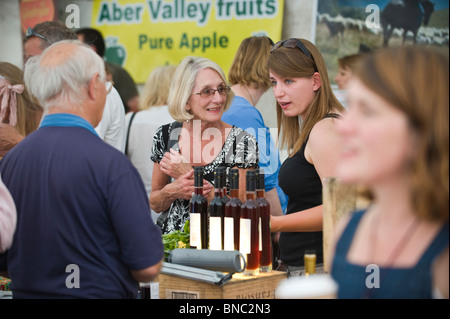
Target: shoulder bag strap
162, 219
128, 132
172, 141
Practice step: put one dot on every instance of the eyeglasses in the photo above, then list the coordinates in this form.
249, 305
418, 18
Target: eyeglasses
208, 92
292, 43
109, 86
31, 32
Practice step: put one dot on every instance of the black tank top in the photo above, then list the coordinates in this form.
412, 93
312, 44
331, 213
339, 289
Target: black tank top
300, 182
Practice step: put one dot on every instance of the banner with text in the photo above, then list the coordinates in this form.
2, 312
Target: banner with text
143, 34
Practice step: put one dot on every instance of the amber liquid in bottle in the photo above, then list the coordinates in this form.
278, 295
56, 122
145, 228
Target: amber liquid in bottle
198, 213
217, 215
223, 173
249, 227
265, 258
232, 213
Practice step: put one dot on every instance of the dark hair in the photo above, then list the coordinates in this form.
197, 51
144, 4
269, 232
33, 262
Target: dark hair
93, 37
53, 31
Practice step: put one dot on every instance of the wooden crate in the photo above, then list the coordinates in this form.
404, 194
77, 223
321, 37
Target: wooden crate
239, 287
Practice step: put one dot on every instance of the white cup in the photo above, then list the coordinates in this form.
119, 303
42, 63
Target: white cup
317, 286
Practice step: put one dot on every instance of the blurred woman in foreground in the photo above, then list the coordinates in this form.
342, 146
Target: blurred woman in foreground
395, 142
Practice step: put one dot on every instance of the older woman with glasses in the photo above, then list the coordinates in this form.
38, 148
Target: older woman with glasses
199, 95
307, 112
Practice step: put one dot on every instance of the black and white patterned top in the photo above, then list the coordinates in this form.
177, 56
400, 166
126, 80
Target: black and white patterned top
240, 150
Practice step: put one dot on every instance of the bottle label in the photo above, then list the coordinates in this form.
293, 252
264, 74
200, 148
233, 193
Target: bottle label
260, 234
245, 233
229, 233
195, 235
215, 233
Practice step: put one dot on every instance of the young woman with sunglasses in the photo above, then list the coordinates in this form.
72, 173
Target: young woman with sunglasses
199, 95
307, 112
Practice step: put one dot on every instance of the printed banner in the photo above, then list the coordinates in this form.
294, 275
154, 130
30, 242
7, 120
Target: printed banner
143, 34
347, 27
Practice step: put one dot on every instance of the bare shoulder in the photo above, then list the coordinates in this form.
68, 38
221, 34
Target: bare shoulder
324, 137
324, 128
323, 147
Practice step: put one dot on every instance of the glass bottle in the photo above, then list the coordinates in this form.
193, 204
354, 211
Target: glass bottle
198, 213
225, 199
217, 214
249, 224
265, 258
223, 173
232, 213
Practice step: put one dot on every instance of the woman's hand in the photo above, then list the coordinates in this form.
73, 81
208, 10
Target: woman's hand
174, 164
182, 187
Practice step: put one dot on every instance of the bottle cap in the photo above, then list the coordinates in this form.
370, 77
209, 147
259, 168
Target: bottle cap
218, 182
198, 176
251, 181
260, 179
234, 178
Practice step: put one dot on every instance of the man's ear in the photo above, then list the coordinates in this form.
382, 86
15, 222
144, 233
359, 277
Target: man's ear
94, 86
317, 81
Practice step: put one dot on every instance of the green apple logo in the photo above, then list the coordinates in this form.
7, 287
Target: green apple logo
115, 52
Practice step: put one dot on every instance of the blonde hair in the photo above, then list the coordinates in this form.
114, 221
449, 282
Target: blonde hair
28, 108
415, 80
249, 66
293, 63
183, 82
156, 89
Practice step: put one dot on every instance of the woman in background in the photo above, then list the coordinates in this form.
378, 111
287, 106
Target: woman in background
249, 79
20, 112
346, 65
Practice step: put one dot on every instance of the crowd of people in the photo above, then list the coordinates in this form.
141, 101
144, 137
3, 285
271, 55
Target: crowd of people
88, 165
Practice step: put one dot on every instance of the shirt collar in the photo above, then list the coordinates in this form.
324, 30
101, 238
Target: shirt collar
66, 120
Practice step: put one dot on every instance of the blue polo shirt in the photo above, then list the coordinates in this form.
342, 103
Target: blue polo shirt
83, 215
242, 114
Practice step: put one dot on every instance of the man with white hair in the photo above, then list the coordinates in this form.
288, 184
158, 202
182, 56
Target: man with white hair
84, 228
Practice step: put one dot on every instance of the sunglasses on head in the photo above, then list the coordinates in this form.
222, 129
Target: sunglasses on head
31, 33
292, 43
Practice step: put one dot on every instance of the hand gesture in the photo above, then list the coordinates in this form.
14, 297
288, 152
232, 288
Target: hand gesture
174, 164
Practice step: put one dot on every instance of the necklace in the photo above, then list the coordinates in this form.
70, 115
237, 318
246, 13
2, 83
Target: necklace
395, 252
249, 95
400, 245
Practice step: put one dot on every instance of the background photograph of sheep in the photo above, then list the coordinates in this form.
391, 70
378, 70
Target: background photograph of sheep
345, 27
